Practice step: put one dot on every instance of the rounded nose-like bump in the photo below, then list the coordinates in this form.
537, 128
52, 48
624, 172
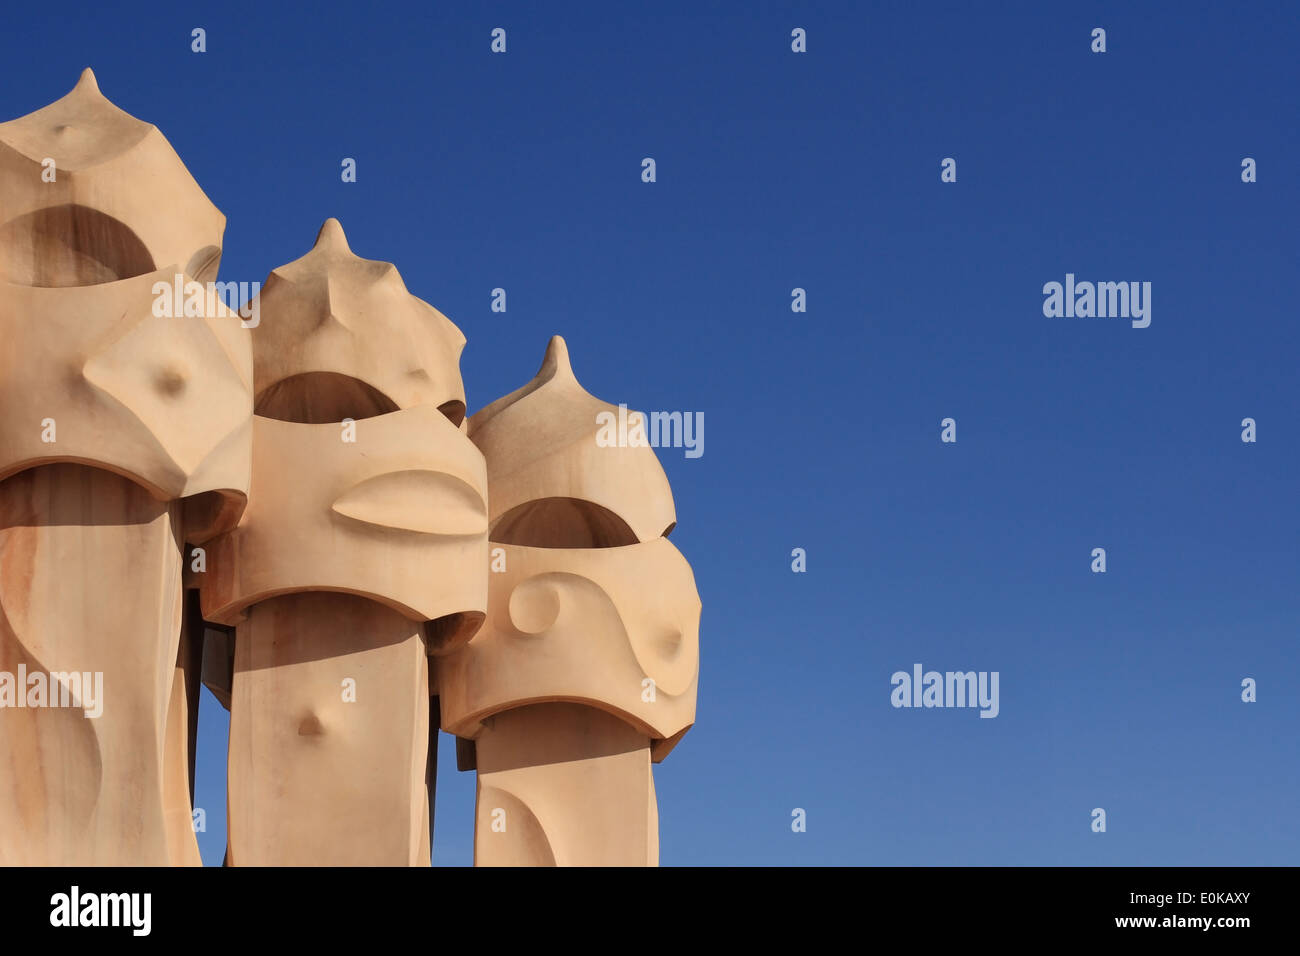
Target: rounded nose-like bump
170, 380
668, 644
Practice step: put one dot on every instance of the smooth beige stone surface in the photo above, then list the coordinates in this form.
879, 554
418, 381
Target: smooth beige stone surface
179, 749
587, 625
122, 203
314, 779
90, 581
564, 785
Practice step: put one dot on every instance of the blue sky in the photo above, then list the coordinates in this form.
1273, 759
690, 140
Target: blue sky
924, 301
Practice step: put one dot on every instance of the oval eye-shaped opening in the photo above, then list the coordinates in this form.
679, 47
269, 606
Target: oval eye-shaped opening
562, 523
318, 398
69, 245
454, 410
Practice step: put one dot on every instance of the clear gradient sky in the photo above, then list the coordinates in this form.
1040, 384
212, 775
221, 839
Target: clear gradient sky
821, 170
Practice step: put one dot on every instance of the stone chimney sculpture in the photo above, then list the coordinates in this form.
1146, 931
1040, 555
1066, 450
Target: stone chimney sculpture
363, 548
123, 435
297, 511
586, 669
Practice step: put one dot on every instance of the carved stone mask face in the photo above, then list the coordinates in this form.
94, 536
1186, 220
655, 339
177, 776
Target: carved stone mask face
164, 401
616, 628
588, 601
357, 375
395, 510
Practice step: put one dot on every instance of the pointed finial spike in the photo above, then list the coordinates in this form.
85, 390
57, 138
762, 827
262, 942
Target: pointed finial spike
87, 82
331, 237
556, 359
